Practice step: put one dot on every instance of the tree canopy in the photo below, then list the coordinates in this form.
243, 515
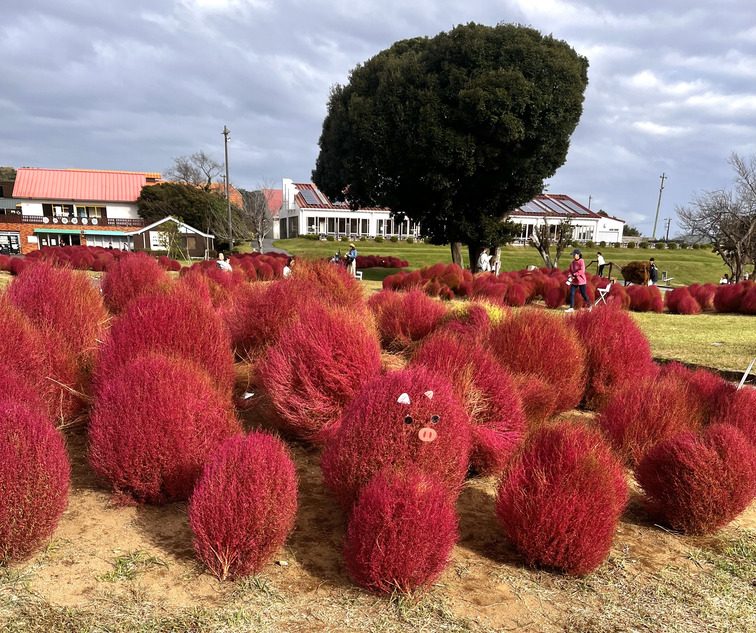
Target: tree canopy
453, 131
197, 207
727, 218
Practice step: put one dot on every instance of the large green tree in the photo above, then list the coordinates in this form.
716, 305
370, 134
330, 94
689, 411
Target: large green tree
455, 130
204, 210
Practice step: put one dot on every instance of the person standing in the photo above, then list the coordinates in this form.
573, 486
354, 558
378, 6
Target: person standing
653, 272
223, 263
484, 261
601, 263
577, 279
351, 257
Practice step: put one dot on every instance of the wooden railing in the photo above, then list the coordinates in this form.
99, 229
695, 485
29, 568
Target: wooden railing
17, 218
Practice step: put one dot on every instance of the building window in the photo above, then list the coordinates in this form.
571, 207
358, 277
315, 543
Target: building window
365, 227
158, 241
90, 212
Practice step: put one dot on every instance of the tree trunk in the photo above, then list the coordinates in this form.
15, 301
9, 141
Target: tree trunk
260, 244
497, 260
474, 250
456, 254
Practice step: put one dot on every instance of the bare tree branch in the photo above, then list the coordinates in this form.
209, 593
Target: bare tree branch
198, 169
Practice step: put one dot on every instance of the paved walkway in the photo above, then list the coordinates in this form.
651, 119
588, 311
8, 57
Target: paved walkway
269, 248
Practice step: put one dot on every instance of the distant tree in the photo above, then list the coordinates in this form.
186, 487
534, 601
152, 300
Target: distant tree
454, 130
257, 213
7, 173
198, 169
727, 218
205, 210
542, 240
631, 231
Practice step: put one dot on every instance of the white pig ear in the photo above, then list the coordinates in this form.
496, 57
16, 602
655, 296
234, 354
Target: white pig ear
428, 394
403, 399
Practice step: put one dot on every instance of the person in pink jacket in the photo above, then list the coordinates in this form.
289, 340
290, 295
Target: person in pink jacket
577, 276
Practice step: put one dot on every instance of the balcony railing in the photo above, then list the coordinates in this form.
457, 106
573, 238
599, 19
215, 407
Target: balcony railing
17, 218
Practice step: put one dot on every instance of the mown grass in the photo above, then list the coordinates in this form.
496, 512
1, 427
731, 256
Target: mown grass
720, 341
685, 266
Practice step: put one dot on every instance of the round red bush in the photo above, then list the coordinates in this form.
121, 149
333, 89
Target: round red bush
65, 307
488, 393
377, 431
244, 505
680, 301
538, 398
401, 532
404, 318
748, 302
131, 277
175, 324
728, 297
645, 298
34, 480
317, 367
699, 483
155, 422
331, 284
738, 408
709, 391
536, 342
561, 499
641, 414
617, 352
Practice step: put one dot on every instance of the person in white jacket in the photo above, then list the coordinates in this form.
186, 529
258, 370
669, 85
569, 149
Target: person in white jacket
484, 261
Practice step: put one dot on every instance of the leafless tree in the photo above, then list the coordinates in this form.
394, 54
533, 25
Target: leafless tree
198, 169
258, 213
727, 218
543, 241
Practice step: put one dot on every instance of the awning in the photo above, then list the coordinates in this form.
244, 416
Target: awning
82, 231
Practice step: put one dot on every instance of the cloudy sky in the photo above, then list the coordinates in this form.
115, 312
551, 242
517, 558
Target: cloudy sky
131, 84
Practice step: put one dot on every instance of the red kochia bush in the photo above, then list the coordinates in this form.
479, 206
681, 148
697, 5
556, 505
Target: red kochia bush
728, 297
699, 483
536, 342
244, 505
315, 370
645, 298
401, 532
174, 324
404, 318
155, 422
709, 391
34, 479
738, 408
681, 301
131, 277
560, 501
64, 305
748, 302
641, 414
617, 352
332, 284
5, 261
377, 432
703, 294
488, 393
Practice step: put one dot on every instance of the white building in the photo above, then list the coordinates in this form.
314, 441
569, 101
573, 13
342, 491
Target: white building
305, 210
589, 226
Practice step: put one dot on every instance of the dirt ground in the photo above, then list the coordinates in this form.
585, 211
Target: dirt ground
115, 568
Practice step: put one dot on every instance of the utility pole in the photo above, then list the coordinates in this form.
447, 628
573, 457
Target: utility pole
226, 132
590, 197
663, 177
667, 221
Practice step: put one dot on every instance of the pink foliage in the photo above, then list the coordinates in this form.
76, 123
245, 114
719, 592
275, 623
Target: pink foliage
560, 501
401, 532
403, 319
155, 422
681, 301
311, 373
34, 479
645, 298
244, 505
699, 483
738, 408
378, 432
129, 278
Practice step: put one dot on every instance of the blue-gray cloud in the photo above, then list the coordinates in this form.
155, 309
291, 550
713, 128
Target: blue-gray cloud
130, 85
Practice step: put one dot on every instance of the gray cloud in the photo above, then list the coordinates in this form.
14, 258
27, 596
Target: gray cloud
130, 85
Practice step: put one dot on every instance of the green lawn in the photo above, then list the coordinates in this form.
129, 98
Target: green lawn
685, 266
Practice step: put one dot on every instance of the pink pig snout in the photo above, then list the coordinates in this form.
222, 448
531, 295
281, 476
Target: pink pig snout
427, 434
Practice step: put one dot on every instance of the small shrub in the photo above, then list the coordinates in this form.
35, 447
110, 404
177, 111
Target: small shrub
704, 295
405, 318
738, 408
410, 240
379, 239
330, 284
538, 398
645, 298
728, 297
748, 302
673, 246
311, 236
617, 352
330, 238
130, 278
174, 324
244, 505
642, 245
488, 393
646, 412
590, 244
631, 244
680, 301
315, 370
34, 480
710, 393
699, 483
401, 533
602, 244
377, 432
344, 238
155, 422
394, 238
560, 501
559, 360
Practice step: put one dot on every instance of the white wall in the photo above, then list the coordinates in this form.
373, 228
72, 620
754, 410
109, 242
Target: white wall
122, 211
31, 208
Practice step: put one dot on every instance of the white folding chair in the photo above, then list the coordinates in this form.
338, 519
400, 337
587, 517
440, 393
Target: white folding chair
358, 275
602, 292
